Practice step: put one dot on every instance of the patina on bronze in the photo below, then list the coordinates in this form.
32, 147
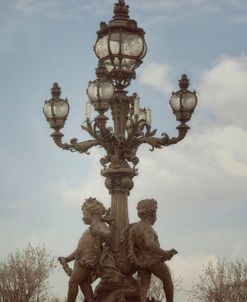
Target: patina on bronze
120, 48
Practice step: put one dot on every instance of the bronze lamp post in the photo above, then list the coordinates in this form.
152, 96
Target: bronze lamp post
120, 49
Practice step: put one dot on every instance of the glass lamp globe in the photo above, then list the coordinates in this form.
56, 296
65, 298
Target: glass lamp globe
56, 110
120, 45
100, 90
183, 102
121, 51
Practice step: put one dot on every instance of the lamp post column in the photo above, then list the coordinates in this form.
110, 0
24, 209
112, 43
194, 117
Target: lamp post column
119, 174
119, 183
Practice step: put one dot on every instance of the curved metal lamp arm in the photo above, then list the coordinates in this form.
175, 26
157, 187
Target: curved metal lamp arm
158, 142
165, 140
81, 147
146, 135
182, 131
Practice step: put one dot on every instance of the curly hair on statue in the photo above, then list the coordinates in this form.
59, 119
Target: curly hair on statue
146, 207
93, 206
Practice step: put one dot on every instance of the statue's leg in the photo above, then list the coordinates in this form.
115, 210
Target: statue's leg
162, 272
87, 291
144, 282
78, 275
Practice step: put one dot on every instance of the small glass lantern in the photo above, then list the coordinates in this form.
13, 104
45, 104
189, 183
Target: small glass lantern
183, 102
100, 90
56, 110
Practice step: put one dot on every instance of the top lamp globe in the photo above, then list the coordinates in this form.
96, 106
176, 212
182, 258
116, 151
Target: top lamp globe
121, 51
121, 45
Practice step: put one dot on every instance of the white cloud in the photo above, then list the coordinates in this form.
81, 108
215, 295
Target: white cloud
196, 171
231, 151
157, 76
73, 195
223, 90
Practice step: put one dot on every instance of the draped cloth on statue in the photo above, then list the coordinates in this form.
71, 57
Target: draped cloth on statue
134, 238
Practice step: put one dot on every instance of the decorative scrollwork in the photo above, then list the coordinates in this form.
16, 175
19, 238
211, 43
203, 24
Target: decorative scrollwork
105, 160
74, 141
81, 147
91, 130
130, 132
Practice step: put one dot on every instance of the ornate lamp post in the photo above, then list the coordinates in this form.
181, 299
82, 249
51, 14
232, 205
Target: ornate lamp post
120, 48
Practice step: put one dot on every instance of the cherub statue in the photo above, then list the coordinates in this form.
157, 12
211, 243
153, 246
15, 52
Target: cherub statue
143, 250
87, 253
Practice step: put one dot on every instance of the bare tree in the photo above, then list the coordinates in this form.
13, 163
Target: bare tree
24, 274
223, 282
156, 291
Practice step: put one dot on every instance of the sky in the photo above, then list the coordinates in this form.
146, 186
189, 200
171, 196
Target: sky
200, 183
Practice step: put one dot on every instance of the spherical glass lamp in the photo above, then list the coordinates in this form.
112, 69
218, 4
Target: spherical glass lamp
183, 102
56, 110
121, 45
100, 90
121, 51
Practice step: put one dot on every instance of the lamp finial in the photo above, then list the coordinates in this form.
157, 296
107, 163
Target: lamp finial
55, 90
121, 9
184, 83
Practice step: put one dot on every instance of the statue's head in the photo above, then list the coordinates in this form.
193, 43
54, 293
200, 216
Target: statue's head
146, 209
92, 208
